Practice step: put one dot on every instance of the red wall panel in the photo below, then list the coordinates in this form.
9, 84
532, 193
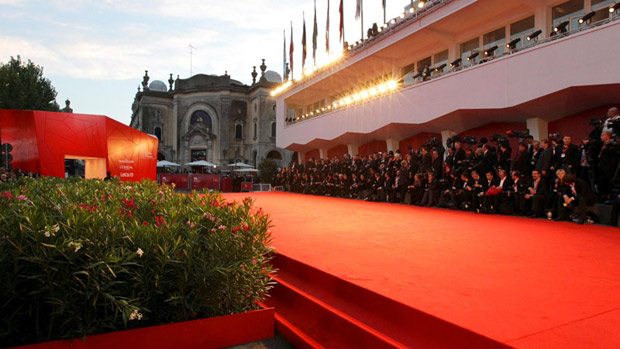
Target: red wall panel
312, 154
416, 141
372, 147
339, 151
577, 125
16, 127
132, 155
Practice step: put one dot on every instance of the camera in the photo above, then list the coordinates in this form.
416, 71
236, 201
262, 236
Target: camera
518, 134
554, 135
432, 143
596, 122
497, 138
470, 140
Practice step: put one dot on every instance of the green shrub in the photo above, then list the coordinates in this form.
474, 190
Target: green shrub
79, 257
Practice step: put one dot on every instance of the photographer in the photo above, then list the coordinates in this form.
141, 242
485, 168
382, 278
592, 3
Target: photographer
613, 115
522, 160
543, 165
575, 197
607, 164
567, 155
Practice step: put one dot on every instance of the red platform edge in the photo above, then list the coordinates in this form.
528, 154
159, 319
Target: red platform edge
215, 332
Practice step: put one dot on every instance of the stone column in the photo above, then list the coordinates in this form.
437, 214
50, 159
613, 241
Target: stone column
323, 153
392, 144
353, 149
301, 157
445, 135
539, 128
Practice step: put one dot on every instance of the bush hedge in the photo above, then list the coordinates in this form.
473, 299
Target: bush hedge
80, 257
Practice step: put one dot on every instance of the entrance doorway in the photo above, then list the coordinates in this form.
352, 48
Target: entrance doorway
85, 167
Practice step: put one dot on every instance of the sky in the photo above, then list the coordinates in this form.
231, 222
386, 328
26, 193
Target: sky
95, 52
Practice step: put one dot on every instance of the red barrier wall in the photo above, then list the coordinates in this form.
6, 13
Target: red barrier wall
181, 181
215, 332
201, 181
41, 140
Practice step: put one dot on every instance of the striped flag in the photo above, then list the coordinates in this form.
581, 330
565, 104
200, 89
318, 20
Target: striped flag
315, 32
284, 56
290, 51
341, 10
358, 9
303, 46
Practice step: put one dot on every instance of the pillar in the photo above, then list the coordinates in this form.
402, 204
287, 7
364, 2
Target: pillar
392, 144
539, 128
353, 149
301, 157
543, 21
445, 135
323, 153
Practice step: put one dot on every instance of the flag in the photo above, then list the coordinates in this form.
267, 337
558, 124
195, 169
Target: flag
327, 31
358, 9
341, 10
315, 32
303, 47
290, 52
284, 56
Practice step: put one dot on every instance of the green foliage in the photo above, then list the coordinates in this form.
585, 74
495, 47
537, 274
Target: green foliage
266, 170
79, 257
23, 87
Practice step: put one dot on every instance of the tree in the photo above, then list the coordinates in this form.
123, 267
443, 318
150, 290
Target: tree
23, 87
266, 170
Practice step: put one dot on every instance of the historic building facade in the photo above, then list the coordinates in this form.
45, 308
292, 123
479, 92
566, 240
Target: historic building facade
212, 118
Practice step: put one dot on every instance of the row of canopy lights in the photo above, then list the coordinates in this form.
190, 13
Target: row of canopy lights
356, 97
559, 29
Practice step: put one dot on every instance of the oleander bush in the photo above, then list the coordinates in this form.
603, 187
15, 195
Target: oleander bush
80, 257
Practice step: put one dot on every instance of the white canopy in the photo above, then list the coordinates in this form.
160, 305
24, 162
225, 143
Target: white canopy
164, 163
200, 163
246, 170
239, 164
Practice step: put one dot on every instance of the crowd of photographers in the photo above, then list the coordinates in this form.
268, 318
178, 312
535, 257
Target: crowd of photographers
553, 178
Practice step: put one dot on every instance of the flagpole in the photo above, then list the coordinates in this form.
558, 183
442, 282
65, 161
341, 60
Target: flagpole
362, 17
384, 5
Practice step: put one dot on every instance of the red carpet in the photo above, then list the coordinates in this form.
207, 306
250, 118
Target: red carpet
522, 282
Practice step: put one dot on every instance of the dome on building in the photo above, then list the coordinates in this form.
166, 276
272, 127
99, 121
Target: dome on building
158, 85
272, 76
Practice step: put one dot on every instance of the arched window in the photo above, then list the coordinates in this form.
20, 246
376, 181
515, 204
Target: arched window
161, 156
158, 133
238, 131
273, 129
274, 154
201, 116
255, 130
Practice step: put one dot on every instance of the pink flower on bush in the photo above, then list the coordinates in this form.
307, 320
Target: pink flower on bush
22, 197
221, 227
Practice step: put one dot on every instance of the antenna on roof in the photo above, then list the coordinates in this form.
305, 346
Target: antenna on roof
191, 54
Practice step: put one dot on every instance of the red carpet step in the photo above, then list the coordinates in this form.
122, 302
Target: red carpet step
315, 309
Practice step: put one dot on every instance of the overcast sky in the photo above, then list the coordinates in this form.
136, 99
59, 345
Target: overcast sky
95, 52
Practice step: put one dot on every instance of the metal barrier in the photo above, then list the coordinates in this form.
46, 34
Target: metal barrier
262, 187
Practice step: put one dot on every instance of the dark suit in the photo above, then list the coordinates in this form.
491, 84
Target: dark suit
544, 162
